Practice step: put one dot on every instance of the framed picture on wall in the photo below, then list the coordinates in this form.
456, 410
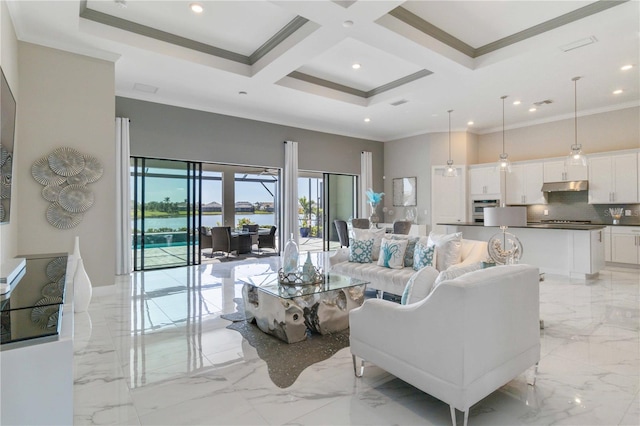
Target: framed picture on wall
404, 191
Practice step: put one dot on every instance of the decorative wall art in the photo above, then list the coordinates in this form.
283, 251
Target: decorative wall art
404, 191
7, 133
65, 175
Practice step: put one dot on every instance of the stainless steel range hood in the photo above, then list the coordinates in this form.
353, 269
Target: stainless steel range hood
576, 185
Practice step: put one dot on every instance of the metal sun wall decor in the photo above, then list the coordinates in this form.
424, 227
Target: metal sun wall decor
65, 174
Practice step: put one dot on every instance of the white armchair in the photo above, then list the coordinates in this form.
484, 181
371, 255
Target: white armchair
468, 338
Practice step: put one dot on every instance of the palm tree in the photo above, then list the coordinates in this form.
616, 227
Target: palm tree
305, 209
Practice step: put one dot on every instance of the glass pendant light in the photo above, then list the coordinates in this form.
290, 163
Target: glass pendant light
450, 170
503, 165
576, 158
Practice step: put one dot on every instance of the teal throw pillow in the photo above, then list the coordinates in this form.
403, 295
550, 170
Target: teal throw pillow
360, 250
423, 256
411, 247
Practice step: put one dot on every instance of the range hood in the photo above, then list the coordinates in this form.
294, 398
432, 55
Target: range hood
575, 185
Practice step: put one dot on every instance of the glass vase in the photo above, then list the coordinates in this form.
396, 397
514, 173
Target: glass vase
290, 256
374, 219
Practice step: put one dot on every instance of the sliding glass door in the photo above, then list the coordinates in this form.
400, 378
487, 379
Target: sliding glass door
165, 213
340, 202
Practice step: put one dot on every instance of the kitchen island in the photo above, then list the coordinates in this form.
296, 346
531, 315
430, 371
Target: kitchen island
566, 249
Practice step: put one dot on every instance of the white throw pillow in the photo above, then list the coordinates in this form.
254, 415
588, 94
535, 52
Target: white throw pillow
448, 248
453, 273
419, 286
392, 253
365, 234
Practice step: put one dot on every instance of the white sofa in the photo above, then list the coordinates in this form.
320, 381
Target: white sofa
467, 338
395, 280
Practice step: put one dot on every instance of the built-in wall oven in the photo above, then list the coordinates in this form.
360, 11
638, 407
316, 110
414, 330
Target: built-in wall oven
478, 206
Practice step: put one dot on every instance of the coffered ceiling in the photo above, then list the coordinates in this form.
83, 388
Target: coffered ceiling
291, 62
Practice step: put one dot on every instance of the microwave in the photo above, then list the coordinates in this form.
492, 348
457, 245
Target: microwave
478, 207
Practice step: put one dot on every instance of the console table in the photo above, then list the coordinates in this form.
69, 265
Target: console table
36, 353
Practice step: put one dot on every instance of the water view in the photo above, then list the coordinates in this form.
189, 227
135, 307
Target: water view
207, 220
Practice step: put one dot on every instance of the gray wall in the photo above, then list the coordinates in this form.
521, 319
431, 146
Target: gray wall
607, 131
67, 100
165, 131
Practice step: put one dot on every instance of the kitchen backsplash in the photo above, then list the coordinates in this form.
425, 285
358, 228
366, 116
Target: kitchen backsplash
575, 206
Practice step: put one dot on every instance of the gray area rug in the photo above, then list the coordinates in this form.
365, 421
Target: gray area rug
286, 361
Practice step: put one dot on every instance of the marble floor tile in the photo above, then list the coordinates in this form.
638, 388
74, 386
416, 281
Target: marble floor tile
153, 350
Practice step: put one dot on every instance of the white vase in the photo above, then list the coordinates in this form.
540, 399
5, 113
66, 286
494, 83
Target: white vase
290, 256
75, 257
82, 289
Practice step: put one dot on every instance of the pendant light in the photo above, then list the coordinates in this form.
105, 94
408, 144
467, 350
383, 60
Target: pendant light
576, 158
450, 171
503, 165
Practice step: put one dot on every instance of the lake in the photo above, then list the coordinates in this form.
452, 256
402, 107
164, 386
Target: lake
207, 220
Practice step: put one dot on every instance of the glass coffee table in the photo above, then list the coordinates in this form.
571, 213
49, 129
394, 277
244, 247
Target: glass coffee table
289, 312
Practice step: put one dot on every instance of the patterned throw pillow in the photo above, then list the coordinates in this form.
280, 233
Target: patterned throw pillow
423, 256
392, 253
411, 246
360, 250
365, 234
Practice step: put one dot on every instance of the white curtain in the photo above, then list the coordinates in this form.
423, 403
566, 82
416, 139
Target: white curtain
366, 181
123, 217
290, 217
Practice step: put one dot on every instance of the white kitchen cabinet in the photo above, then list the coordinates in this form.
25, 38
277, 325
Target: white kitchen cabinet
484, 180
555, 171
625, 244
607, 244
524, 184
613, 179
588, 251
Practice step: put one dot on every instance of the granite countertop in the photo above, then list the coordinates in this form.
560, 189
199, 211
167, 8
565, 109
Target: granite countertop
538, 225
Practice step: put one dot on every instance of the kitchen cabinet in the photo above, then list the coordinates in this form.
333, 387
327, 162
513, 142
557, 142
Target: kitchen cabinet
484, 180
588, 251
555, 171
625, 244
607, 244
524, 184
613, 179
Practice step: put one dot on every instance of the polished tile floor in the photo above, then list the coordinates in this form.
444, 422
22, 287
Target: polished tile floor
153, 350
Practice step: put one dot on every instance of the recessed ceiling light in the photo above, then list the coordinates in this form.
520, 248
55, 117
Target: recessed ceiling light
470, 123
347, 24
366, 120
626, 67
516, 102
242, 92
532, 109
196, 8
617, 92
356, 66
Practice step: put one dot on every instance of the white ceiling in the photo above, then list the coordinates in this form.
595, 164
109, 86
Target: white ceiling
304, 77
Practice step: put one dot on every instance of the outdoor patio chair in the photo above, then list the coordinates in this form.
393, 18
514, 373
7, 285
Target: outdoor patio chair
205, 240
253, 230
222, 240
267, 240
